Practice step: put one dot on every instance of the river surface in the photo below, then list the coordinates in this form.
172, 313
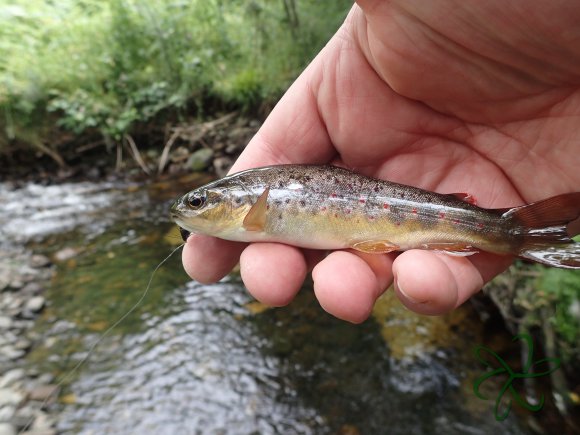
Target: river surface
198, 359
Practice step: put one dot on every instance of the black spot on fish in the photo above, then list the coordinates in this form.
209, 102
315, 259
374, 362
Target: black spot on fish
280, 216
278, 201
238, 200
287, 201
302, 203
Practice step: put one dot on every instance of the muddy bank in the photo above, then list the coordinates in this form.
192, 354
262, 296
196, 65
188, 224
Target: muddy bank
209, 146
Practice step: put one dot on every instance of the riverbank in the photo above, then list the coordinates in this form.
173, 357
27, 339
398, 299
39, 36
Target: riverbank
191, 146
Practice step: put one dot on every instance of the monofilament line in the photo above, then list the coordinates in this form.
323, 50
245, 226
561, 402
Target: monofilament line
103, 336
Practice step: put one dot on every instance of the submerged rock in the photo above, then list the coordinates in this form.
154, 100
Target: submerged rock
65, 254
200, 159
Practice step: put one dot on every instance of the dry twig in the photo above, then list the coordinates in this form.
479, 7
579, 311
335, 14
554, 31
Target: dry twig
136, 154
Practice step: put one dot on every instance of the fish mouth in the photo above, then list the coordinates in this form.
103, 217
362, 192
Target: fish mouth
184, 233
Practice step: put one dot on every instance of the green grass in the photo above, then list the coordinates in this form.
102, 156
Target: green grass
88, 66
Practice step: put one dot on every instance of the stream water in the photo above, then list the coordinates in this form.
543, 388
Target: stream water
196, 359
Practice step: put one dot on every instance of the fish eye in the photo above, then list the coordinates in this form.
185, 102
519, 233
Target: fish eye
196, 201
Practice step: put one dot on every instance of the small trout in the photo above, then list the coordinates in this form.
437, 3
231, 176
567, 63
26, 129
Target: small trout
327, 207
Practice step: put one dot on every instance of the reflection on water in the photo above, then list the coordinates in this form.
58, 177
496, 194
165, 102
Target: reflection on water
36, 211
207, 359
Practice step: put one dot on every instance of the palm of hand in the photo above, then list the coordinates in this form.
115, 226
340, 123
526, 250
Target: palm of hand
405, 124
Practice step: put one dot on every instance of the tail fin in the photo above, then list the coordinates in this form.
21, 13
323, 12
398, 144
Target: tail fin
547, 228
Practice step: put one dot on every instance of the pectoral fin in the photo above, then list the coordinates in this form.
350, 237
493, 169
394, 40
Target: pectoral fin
375, 246
255, 220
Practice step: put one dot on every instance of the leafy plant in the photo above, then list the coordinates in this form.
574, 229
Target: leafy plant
562, 289
104, 66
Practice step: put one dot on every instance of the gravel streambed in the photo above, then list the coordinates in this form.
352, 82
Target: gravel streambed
25, 394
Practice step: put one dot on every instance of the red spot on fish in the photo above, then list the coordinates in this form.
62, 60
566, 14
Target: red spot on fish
348, 212
335, 215
398, 224
362, 201
455, 221
371, 218
414, 211
385, 205
333, 195
479, 225
349, 185
323, 208
441, 215
268, 207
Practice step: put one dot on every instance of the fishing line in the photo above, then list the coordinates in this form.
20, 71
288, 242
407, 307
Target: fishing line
102, 337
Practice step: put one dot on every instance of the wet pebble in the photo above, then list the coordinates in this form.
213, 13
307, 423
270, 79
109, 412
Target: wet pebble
11, 377
9, 353
43, 392
5, 322
65, 254
35, 304
32, 288
7, 412
10, 397
7, 429
39, 260
22, 344
11, 304
22, 278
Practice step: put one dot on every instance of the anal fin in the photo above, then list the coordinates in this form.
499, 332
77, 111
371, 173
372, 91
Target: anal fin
450, 248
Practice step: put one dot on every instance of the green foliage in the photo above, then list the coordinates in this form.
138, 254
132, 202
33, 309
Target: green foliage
105, 65
561, 288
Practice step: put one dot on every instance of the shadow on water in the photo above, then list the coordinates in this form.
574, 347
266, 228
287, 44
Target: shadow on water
208, 359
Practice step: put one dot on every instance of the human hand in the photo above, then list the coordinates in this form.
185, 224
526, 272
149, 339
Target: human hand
449, 96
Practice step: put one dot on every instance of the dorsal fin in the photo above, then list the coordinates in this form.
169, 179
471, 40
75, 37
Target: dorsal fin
465, 197
255, 220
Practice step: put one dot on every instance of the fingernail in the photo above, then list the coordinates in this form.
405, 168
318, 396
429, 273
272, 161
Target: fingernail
398, 287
